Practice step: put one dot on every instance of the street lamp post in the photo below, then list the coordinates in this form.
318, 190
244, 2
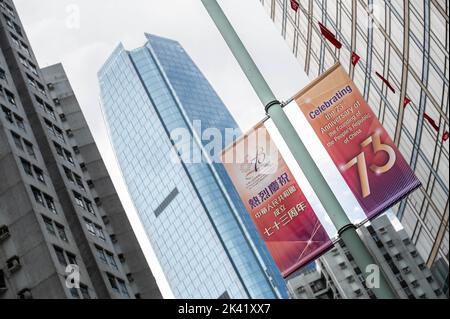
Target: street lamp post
346, 229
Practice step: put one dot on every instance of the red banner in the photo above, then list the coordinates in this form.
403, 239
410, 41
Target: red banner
360, 147
283, 216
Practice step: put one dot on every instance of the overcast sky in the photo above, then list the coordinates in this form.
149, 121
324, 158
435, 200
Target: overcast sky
55, 36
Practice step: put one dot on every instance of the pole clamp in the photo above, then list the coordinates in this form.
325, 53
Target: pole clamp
346, 227
270, 104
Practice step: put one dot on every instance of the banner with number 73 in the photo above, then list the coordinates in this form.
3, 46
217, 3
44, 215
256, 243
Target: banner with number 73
360, 147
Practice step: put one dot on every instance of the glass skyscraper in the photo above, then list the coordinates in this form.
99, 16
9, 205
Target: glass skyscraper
201, 233
406, 42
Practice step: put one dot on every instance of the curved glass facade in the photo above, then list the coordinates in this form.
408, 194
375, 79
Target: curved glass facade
193, 217
406, 42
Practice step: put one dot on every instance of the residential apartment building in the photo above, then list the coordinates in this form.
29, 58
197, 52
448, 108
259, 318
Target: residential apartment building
52, 215
405, 42
336, 275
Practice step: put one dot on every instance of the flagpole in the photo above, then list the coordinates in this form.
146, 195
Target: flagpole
347, 231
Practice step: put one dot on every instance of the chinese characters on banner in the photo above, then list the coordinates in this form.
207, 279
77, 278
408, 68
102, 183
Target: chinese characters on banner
283, 216
360, 147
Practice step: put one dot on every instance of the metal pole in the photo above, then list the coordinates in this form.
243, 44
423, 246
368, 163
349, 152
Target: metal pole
346, 230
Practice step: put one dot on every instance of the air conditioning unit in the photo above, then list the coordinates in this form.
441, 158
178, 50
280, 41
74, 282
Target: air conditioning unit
113, 238
24, 294
130, 278
4, 233
98, 201
13, 264
69, 133
105, 220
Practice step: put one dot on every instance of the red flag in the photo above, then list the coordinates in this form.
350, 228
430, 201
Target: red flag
431, 121
295, 5
355, 58
389, 85
445, 137
330, 36
406, 101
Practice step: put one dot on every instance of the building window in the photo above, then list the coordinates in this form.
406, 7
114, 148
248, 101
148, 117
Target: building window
50, 203
113, 283
26, 167
79, 181
2, 74
89, 206
41, 88
69, 157
69, 175
123, 288
10, 97
40, 103
29, 148
422, 266
17, 140
15, 40
38, 196
50, 111
59, 150
79, 200
101, 254
49, 126
49, 225
61, 232
39, 174
60, 255
20, 123
33, 68
10, 10
59, 134
85, 291
31, 81
24, 62
71, 258
112, 260
430, 279
25, 48
18, 29
8, 114
90, 226
100, 233
9, 22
